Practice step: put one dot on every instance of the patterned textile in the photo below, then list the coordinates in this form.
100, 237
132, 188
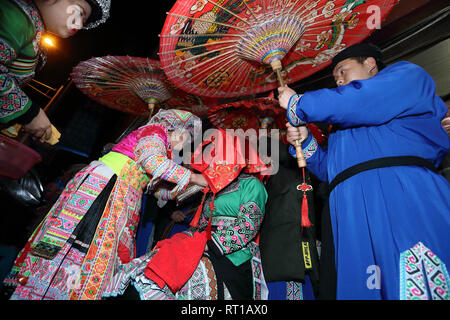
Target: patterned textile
174, 119
158, 157
18, 60
423, 276
70, 208
294, 290
310, 148
223, 163
83, 271
291, 111
114, 236
152, 152
52, 279
202, 285
241, 232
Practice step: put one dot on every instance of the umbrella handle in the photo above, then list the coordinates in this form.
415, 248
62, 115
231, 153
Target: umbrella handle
300, 156
151, 107
276, 66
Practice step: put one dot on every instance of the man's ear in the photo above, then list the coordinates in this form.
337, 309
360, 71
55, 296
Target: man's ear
371, 65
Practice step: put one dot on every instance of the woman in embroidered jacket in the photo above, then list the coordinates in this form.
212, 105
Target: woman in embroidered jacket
22, 23
90, 230
390, 223
228, 265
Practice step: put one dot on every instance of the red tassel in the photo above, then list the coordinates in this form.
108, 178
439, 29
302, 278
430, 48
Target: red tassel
211, 209
305, 216
198, 213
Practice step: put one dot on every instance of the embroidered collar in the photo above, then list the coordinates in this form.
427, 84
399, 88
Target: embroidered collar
233, 186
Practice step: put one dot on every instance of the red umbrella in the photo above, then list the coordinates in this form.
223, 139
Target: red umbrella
247, 114
227, 48
132, 85
254, 114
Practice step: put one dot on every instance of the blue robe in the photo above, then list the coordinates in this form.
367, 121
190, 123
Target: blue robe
391, 226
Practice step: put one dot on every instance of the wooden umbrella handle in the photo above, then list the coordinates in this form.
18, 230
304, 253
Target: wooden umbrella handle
276, 66
300, 156
151, 107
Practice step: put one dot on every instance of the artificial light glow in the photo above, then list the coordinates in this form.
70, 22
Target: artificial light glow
49, 41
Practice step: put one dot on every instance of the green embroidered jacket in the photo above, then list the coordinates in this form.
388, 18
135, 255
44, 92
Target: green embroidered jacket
21, 28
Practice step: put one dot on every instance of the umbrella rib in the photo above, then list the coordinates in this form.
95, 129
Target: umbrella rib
274, 11
309, 40
264, 6
299, 8
198, 35
201, 55
250, 10
111, 65
206, 21
230, 12
197, 65
293, 6
331, 25
197, 46
235, 79
220, 69
211, 66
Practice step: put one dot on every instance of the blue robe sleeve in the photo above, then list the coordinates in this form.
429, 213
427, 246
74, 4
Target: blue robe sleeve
316, 157
394, 92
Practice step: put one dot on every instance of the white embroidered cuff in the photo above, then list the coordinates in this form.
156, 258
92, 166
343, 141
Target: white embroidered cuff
292, 110
310, 149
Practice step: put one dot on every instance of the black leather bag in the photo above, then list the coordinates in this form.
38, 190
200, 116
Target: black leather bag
27, 190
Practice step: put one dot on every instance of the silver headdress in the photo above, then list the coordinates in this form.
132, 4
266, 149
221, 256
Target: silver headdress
100, 13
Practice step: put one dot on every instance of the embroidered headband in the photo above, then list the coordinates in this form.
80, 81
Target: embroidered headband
173, 119
99, 14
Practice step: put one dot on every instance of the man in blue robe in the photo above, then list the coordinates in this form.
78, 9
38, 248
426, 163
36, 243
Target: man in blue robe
390, 210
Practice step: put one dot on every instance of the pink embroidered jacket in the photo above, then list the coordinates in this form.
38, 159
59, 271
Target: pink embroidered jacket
150, 147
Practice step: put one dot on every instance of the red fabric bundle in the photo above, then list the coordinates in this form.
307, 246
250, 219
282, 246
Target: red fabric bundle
176, 260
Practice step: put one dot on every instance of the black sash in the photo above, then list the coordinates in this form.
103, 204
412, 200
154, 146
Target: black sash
381, 163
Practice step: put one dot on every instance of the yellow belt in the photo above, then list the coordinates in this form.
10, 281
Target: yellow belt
115, 160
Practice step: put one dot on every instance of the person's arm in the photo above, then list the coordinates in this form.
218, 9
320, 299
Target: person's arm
15, 105
397, 91
244, 229
316, 157
151, 153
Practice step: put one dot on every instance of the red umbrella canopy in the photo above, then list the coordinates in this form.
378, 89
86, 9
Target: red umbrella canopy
254, 114
248, 114
228, 48
131, 84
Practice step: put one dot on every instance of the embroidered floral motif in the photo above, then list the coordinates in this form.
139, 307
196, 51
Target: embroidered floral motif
310, 149
423, 276
292, 110
242, 231
294, 290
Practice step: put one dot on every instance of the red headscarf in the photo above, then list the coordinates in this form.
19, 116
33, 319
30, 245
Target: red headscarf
220, 159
